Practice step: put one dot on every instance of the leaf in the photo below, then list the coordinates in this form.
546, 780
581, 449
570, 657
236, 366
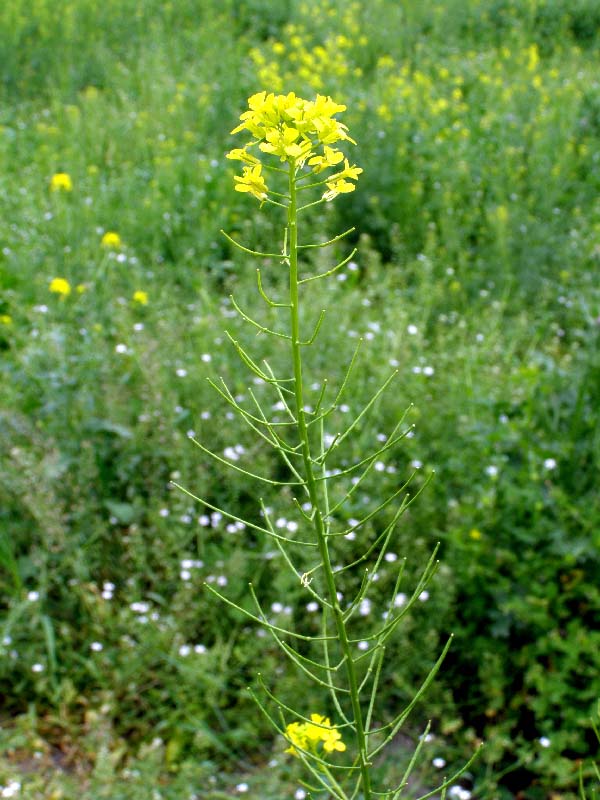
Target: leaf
124, 512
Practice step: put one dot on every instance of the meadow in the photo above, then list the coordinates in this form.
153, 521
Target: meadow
477, 228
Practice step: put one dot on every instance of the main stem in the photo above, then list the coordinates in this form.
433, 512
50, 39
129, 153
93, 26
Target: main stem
311, 484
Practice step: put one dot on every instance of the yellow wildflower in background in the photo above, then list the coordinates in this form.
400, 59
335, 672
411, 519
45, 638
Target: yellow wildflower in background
111, 240
60, 286
5, 319
61, 182
140, 297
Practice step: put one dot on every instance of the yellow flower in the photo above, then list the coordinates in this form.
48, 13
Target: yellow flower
140, 297
308, 735
61, 182
295, 734
5, 319
111, 240
332, 740
338, 186
60, 286
282, 142
475, 534
329, 158
252, 181
241, 154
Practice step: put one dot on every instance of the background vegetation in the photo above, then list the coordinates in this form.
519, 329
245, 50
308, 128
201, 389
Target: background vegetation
478, 124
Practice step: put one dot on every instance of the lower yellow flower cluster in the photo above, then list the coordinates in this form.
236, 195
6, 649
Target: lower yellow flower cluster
308, 735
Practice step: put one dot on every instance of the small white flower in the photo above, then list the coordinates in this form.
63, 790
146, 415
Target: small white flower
185, 575
550, 463
312, 606
222, 580
37, 668
276, 608
185, 650
416, 464
96, 647
424, 596
544, 741
206, 357
33, 596
428, 371
439, 763
391, 557
412, 330
199, 649
379, 466
242, 787
164, 512
121, 348
140, 607
181, 372
491, 470
365, 607
459, 793
400, 600
231, 454
363, 645
13, 788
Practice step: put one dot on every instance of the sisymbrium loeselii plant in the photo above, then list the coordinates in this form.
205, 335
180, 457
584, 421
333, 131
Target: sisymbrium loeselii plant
293, 161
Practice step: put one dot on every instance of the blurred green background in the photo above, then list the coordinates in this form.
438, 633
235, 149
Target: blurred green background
478, 227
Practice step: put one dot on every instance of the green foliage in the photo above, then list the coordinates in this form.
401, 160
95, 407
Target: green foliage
486, 244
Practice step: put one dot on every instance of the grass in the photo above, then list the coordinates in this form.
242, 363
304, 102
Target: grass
478, 228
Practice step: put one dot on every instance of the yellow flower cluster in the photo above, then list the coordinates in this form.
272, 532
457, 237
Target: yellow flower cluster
299, 132
308, 735
61, 182
111, 240
60, 286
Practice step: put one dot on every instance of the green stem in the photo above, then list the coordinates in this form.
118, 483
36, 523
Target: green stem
311, 484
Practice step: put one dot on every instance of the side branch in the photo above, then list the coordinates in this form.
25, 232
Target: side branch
329, 272
325, 244
261, 328
281, 256
268, 300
